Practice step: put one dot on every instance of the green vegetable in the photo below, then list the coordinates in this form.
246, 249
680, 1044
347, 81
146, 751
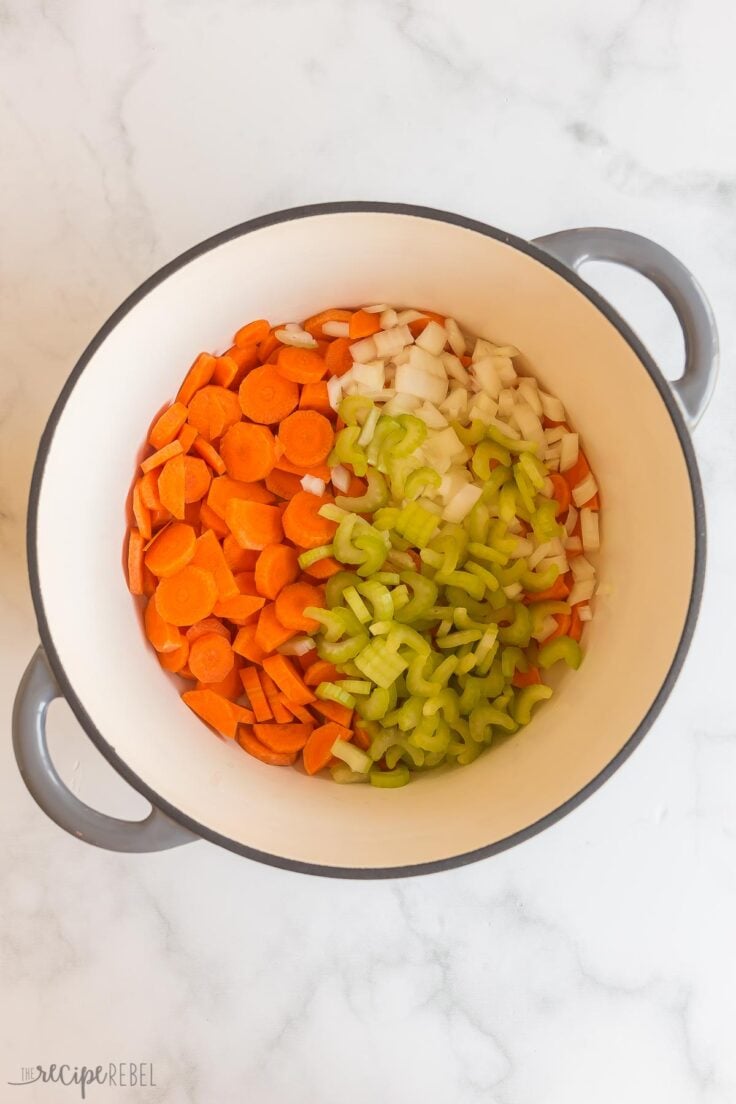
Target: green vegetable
348, 451
386, 780
416, 524
375, 497
526, 699
356, 759
313, 555
563, 648
520, 629
379, 664
330, 691
418, 481
354, 409
424, 595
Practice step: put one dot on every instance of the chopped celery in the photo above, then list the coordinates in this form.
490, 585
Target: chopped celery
507, 503
424, 595
332, 624
414, 433
375, 497
416, 524
484, 718
483, 573
340, 651
520, 629
357, 605
354, 409
456, 639
335, 585
540, 611
467, 582
378, 663
313, 555
418, 481
416, 683
348, 451
526, 699
388, 578
472, 434
533, 469
481, 552
356, 759
386, 517
374, 551
483, 454
512, 660
405, 635
525, 489
355, 686
330, 691
379, 597
447, 702
508, 443
375, 707
537, 581
543, 521
392, 779
563, 648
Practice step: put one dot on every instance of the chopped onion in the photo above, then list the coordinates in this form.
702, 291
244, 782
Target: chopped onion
446, 440
383, 395
389, 318
505, 427
483, 407
297, 646
589, 530
530, 393
528, 423
453, 482
560, 562
379, 308
401, 358
584, 490
555, 434
585, 613
334, 390
455, 337
369, 375
336, 329
312, 485
430, 506
423, 384
425, 362
340, 478
506, 350
582, 591
390, 342
486, 373
431, 416
402, 403
552, 453
404, 317
569, 452
573, 544
454, 368
546, 629
482, 348
506, 403
553, 463
524, 547
552, 408
513, 590
455, 405
505, 369
433, 338
537, 556
460, 506
299, 339
363, 351
582, 568
369, 427
571, 520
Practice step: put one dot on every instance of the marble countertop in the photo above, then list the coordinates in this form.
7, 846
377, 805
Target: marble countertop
593, 963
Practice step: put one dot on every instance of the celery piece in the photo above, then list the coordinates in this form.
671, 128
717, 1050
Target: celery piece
357, 605
533, 469
487, 648
467, 582
462, 620
400, 597
333, 626
490, 555
480, 611
512, 660
526, 699
563, 648
332, 512
388, 578
398, 543
409, 714
432, 557
414, 434
456, 639
467, 662
379, 597
537, 581
348, 451
482, 456
498, 478
429, 736
423, 596
543, 520
416, 683
401, 634
540, 611
354, 409
390, 780
335, 585
355, 686
330, 691
418, 481
386, 428
344, 775
483, 573
351, 626
374, 553
340, 651
525, 489
356, 759
472, 434
416, 524
342, 542
401, 559
484, 718
509, 444
386, 517
513, 574
446, 702
477, 523
507, 504
312, 555
500, 539
375, 706
375, 497
412, 756
378, 663
520, 629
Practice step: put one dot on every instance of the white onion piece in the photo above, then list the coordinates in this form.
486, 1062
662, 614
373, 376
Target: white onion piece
379, 396
460, 506
336, 329
560, 562
388, 319
524, 547
530, 393
447, 441
513, 590
454, 368
573, 544
378, 308
486, 373
455, 337
453, 482
585, 613
589, 530
552, 453
402, 403
553, 463
546, 629
552, 408
404, 317
483, 407
582, 568
430, 506
298, 645
390, 342
370, 374
340, 478
363, 351
433, 338
299, 339
571, 520
431, 416
369, 427
584, 490
569, 453
547, 490
334, 390
312, 485
455, 405
505, 427
528, 423
401, 358
506, 350
506, 403
537, 556
555, 434
582, 591
482, 348
423, 384
505, 368
419, 358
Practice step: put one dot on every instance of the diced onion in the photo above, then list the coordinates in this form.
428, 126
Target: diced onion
334, 391
454, 368
584, 490
524, 547
585, 613
528, 423
453, 482
404, 317
340, 478
529, 391
589, 530
582, 591
401, 358
431, 416
569, 452
538, 555
560, 562
336, 329
363, 351
582, 568
456, 404
571, 520
505, 427
455, 337
482, 348
463, 502
299, 339
433, 338
402, 403
312, 485
552, 408
486, 373
424, 385
388, 319
379, 308
369, 374
483, 407
297, 646
573, 544
506, 350
506, 403
390, 342
555, 434
505, 369
546, 629
513, 590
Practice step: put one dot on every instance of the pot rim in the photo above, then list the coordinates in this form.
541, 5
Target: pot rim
538, 254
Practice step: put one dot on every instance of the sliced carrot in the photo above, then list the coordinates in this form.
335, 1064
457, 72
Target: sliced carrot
314, 324
558, 590
281, 715
317, 752
136, 544
243, 715
241, 609
526, 678
163, 636
171, 486
149, 581
306, 438
254, 747
209, 555
211, 659
246, 582
577, 473
287, 678
283, 484
224, 488
562, 629
252, 333
266, 396
141, 512
302, 522
300, 365
213, 521
167, 425
323, 569
174, 661
315, 396
159, 518
294, 710
283, 737
246, 358
186, 597
245, 644
307, 659
171, 550
576, 625
199, 375
363, 324
293, 600
420, 324
214, 710
197, 479
252, 524
276, 567
270, 633
561, 493
321, 671
158, 459
226, 370
249, 451
209, 454
239, 559
149, 491
208, 625
361, 738
213, 410
187, 436
185, 673
256, 697
338, 358
333, 711
319, 471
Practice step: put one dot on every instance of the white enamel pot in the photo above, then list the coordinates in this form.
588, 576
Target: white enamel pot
289, 265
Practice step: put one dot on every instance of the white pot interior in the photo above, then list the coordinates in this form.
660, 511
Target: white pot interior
288, 271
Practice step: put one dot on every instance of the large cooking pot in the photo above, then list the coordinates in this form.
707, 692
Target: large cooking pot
289, 265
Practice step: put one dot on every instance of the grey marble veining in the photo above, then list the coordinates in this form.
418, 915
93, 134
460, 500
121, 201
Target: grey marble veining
594, 963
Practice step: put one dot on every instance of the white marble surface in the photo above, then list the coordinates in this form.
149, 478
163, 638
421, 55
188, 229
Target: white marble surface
594, 963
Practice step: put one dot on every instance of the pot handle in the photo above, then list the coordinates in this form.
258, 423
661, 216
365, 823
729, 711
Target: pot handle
37, 690
591, 243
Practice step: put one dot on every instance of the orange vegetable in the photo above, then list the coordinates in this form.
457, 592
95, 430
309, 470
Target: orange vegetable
148, 484
171, 486
209, 555
561, 493
186, 597
187, 436
237, 558
249, 451
321, 671
283, 737
175, 660
269, 346
300, 365
210, 454
266, 396
287, 678
197, 478
338, 358
163, 636
252, 333
208, 625
314, 324
270, 633
214, 710
363, 324
149, 581
314, 396
317, 752
135, 561
283, 484
141, 512
333, 711
576, 625
159, 518
558, 590
199, 375
294, 710
361, 738
245, 644
302, 522
224, 488
171, 550
211, 659
256, 697
323, 569
276, 567
167, 425
420, 324
306, 438
562, 629
576, 474
241, 609
252, 524
226, 371
213, 410
246, 582
319, 471
293, 600
281, 714
254, 747
527, 678
158, 459
246, 358
213, 521
243, 715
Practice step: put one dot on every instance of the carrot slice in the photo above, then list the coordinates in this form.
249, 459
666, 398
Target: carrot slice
340, 714
276, 567
208, 625
563, 627
209, 454
245, 644
239, 559
558, 590
213, 521
246, 582
254, 525
167, 425
321, 671
163, 636
149, 491
249, 451
186, 597
209, 555
288, 680
213, 410
270, 633
317, 752
252, 333
230, 687
199, 375
266, 396
171, 486
338, 358
158, 459
246, 358
562, 493
174, 661
254, 747
243, 715
141, 512
281, 715
302, 522
294, 710
226, 370
576, 625
283, 484
306, 438
323, 569
241, 609
420, 324
187, 436
315, 396
214, 710
314, 324
526, 678
293, 600
171, 550
211, 659
300, 365
197, 479
319, 471
256, 697
136, 544
149, 581
363, 324
224, 488
283, 737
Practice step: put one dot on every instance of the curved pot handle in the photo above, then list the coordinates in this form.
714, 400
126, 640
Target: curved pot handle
37, 690
677, 284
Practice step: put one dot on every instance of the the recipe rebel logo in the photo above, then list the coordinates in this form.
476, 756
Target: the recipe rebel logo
118, 1075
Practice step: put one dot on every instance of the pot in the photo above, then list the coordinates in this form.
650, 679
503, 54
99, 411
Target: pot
289, 265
